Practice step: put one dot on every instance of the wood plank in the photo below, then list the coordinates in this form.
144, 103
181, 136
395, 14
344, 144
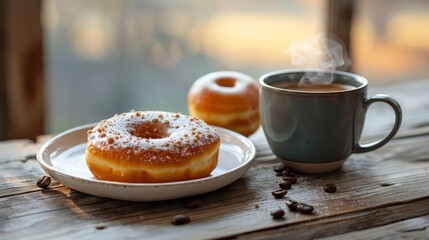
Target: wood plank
87, 213
21, 70
70, 208
369, 185
19, 166
327, 227
415, 228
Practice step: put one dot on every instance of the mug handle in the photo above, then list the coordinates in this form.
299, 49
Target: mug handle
398, 119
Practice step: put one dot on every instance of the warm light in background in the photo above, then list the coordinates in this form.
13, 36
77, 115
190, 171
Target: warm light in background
92, 35
390, 40
400, 32
377, 58
108, 56
262, 39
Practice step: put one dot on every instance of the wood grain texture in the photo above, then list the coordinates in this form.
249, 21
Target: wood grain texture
415, 228
377, 188
342, 225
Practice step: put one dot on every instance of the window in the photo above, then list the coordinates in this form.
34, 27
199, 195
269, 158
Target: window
106, 57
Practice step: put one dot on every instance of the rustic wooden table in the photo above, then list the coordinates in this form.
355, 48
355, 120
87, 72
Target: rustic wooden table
381, 194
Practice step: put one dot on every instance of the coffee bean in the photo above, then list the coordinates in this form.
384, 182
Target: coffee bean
279, 193
180, 219
292, 204
290, 179
279, 213
285, 185
256, 205
194, 203
43, 181
304, 208
287, 172
278, 168
330, 188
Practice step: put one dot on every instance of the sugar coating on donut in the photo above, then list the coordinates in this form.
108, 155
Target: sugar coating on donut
155, 135
226, 82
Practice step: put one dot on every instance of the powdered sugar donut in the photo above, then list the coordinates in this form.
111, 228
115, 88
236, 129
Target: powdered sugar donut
152, 146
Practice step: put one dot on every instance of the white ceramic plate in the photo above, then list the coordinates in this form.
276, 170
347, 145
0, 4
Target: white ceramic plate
63, 158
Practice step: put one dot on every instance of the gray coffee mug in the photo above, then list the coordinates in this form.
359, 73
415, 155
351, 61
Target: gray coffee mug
315, 132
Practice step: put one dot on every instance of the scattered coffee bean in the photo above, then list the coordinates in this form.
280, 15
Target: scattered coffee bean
180, 219
279, 213
279, 193
285, 185
194, 203
330, 188
290, 179
43, 181
292, 204
287, 172
278, 169
304, 208
256, 205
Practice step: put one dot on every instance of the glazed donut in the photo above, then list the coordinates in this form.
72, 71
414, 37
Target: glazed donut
152, 146
226, 99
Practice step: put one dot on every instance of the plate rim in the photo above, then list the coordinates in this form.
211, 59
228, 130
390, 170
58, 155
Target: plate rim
50, 167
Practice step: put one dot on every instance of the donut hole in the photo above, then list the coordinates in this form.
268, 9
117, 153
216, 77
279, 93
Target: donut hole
149, 131
225, 82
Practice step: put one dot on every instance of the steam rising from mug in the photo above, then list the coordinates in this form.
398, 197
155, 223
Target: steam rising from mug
320, 52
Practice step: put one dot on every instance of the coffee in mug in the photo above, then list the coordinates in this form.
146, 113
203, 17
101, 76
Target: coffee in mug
331, 87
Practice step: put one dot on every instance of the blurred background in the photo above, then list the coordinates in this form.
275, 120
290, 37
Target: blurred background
110, 56
103, 57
